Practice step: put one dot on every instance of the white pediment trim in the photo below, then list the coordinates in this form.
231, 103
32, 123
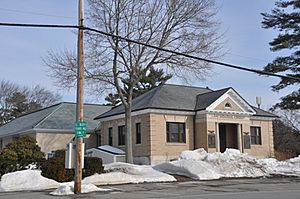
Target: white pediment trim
236, 98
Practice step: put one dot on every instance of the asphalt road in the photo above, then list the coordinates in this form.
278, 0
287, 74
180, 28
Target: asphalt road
265, 188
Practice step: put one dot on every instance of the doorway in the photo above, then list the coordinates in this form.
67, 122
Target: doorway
228, 136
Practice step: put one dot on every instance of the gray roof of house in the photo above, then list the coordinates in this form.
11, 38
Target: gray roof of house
57, 117
174, 97
171, 97
206, 99
262, 113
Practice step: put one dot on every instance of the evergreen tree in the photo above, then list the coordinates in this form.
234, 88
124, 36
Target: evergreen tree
155, 78
286, 19
19, 154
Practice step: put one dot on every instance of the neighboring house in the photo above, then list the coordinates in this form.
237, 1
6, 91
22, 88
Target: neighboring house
172, 118
53, 127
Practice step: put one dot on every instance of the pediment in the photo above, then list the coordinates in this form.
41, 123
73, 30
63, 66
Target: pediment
229, 105
231, 102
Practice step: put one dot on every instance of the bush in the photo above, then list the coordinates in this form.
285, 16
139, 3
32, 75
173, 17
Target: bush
92, 165
19, 154
54, 168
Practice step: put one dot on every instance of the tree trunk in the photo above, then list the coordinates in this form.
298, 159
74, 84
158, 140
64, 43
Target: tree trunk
128, 140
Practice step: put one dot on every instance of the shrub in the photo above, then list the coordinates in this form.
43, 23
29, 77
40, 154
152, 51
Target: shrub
54, 168
19, 154
92, 165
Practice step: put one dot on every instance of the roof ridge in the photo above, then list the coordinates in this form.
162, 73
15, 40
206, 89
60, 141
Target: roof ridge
186, 86
86, 104
46, 117
212, 91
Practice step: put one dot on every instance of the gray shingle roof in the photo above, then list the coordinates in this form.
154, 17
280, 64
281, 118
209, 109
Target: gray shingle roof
175, 97
171, 97
206, 99
263, 113
59, 116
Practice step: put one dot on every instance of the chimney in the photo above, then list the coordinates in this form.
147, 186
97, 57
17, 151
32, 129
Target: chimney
258, 101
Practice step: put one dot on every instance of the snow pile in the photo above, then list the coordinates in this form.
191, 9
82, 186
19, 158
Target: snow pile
26, 180
289, 167
122, 173
68, 189
200, 165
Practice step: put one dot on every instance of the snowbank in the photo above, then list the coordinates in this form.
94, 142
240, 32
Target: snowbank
120, 173
68, 189
26, 180
197, 164
289, 167
123, 173
200, 165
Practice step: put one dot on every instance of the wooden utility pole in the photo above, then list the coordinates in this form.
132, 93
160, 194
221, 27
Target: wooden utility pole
79, 103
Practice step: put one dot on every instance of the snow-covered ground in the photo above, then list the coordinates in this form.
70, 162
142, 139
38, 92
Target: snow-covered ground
200, 165
122, 173
197, 164
119, 173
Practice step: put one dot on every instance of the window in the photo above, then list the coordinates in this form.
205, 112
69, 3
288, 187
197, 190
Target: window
121, 135
175, 132
98, 139
138, 133
110, 136
227, 105
255, 135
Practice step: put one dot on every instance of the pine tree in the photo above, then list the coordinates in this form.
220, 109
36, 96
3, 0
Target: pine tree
286, 19
156, 77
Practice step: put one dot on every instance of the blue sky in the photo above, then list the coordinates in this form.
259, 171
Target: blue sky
22, 49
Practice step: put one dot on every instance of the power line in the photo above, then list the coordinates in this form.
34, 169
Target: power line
152, 46
194, 57
40, 25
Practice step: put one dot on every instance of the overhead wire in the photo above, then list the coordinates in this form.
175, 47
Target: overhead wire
260, 72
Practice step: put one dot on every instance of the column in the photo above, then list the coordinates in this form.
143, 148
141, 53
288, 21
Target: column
217, 137
239, 137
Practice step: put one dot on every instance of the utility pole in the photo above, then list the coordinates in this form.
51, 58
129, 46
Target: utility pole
79, 103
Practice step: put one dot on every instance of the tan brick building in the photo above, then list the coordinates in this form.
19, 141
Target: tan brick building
173, 118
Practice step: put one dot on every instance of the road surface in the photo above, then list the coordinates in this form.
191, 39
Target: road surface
264, 188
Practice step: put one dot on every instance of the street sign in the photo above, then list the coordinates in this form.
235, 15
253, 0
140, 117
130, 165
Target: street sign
80, 129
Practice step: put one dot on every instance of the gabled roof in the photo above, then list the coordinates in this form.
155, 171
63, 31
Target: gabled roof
181, 98
171, 97
206, 99
60, 117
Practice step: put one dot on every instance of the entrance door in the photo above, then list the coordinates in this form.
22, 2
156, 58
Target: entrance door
222, 136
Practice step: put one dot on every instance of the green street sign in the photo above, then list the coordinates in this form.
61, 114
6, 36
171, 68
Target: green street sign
80, 129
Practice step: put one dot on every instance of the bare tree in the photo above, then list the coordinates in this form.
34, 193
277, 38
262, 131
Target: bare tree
290, 118
16, 100
187, 26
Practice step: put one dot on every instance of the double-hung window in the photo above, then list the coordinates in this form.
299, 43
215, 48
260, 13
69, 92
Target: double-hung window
255, 135
121, 135
138, 138
110, 136
176, 132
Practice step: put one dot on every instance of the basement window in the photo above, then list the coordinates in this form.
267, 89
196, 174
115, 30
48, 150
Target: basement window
176, 132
